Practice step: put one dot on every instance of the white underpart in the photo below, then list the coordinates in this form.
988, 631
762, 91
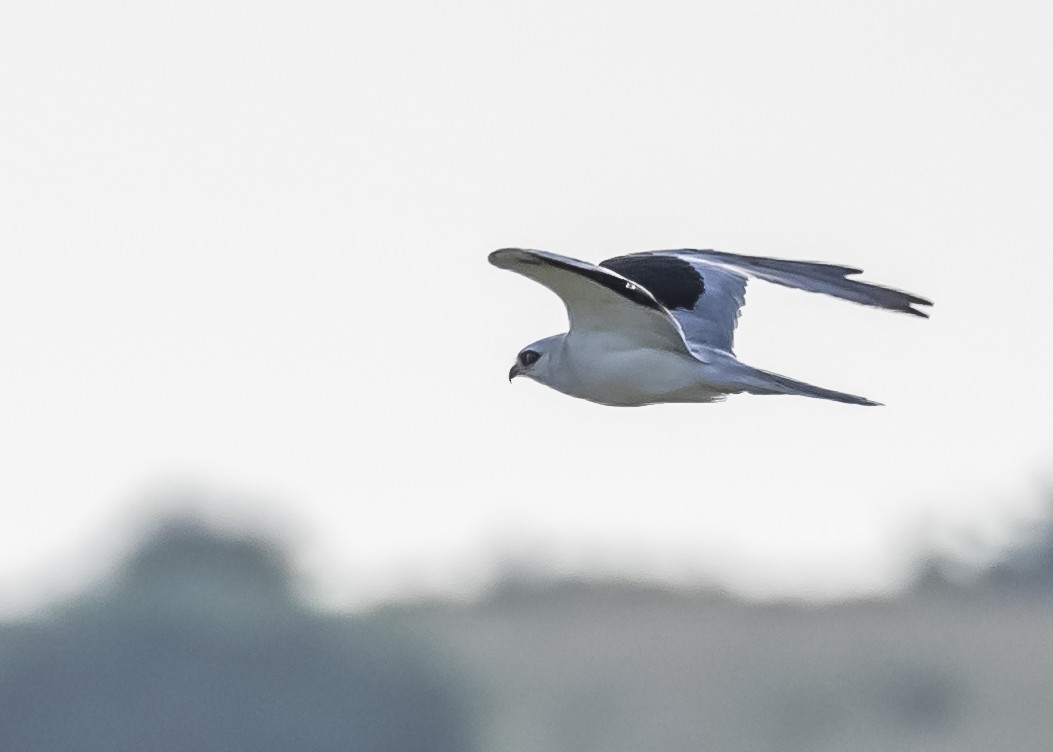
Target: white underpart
613, 370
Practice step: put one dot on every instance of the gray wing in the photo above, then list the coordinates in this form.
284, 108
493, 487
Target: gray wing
704, 299
814, 277
598, 301
709, 317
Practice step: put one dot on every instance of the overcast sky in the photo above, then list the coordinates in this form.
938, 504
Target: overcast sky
243, 261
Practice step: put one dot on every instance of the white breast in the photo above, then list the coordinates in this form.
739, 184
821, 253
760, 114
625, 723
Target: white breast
605, 370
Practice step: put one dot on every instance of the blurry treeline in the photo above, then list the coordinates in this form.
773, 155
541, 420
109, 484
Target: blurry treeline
202, 643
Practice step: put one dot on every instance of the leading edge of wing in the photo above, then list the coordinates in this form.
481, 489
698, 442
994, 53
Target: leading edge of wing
513, 258
616, 305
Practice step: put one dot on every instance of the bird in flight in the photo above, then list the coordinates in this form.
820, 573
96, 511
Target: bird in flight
658, 326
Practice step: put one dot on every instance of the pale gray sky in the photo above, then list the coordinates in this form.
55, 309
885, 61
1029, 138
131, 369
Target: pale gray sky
244, 256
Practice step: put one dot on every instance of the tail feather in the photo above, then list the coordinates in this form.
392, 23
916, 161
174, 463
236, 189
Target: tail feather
764, 382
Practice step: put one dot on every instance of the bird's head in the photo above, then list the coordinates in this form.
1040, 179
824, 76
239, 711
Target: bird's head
535, 361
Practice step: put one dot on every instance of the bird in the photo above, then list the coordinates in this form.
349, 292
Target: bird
658, 326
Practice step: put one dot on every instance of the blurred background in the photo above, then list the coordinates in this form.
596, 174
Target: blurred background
202, 640
265, 483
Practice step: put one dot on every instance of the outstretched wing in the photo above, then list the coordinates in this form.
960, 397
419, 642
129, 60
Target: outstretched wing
710, 318
813, 277
703, 298
599, 301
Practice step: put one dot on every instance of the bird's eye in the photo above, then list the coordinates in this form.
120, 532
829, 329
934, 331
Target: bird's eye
529, 357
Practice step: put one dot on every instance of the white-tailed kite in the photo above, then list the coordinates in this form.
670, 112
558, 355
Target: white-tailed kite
658, 326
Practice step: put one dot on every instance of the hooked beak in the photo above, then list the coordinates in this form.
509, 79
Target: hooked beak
516, 370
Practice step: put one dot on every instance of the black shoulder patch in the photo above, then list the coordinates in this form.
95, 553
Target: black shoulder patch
633, 291
673, 281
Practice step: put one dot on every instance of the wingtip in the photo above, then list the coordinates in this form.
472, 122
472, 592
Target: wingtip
496, 255
502, 257
909, 308
506, 258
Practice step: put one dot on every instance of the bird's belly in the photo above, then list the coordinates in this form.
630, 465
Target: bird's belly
640, 377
